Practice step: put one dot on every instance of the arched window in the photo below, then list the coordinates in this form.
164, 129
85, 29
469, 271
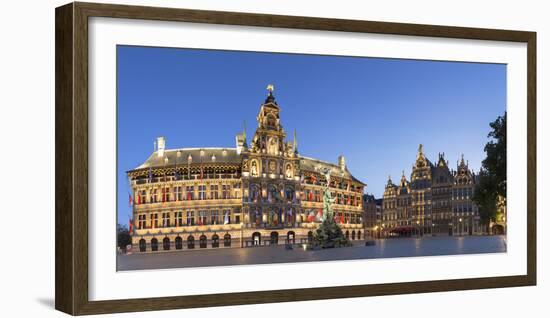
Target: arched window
142, 245
154, 244
353, 235
358, 235
190, 242
227, 240
256, 238
274, 237
254, 193
291, 237
202, 241
179, 243
215, 240
289, 193
272, 194
166, 244
347, 235
271, 121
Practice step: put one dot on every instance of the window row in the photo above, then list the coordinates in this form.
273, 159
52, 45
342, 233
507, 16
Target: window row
188, 218
181, 193
343, 199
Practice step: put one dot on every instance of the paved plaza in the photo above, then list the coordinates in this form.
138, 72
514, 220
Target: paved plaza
384, 248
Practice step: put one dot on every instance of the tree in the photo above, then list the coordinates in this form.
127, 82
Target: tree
492, 177
123, 237
329, 235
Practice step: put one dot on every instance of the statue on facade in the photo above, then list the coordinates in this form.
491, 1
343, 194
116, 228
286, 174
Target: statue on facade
254, 168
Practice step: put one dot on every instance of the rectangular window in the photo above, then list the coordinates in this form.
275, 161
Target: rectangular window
165, 219
226, 191
190, 217
236, 216
214, 217
142, 197
177, 194
236, 189
202, 217
154, 221
202, 192
179, 218
142, 223
165, 194
190, 192
214, 192
153, 196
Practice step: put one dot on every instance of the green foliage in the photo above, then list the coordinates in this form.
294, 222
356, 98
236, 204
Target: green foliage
492, 178
123, 237
329, 235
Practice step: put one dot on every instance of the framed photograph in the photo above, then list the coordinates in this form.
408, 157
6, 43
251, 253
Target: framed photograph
211, 158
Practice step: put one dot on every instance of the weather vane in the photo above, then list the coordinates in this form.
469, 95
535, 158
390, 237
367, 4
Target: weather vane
270, 88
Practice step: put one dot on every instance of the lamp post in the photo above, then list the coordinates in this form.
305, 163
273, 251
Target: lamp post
242, 236
460, 226
418, 228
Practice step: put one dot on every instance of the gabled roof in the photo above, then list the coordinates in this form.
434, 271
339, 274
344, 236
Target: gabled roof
198, 155
312, 164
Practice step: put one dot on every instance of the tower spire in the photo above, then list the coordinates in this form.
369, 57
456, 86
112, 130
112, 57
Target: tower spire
295, 145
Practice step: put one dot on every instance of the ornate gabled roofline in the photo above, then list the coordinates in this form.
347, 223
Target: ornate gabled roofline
150, 161
334, 166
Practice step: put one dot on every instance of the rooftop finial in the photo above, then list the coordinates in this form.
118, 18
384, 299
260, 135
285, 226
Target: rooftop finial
420, 148
270, 98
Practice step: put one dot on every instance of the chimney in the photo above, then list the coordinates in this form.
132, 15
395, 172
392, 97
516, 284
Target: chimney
161, 145
239, 143
342, 162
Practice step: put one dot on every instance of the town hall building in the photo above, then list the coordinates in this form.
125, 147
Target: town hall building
261, 192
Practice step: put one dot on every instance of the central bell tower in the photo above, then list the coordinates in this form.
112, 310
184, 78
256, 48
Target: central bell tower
271, 173
270, 135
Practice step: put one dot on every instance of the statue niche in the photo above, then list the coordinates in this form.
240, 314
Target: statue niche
254, 168
288, 171
273, 146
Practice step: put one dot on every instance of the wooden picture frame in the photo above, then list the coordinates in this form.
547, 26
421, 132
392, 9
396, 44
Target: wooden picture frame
71, 123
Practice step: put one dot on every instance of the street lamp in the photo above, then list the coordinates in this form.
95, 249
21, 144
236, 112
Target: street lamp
418, 228
460, 226
242, 235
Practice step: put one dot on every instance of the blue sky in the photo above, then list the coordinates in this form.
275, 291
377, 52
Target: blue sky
374, 111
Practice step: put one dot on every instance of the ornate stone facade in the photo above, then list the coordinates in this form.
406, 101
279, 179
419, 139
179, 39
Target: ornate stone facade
436, 201
258, 194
